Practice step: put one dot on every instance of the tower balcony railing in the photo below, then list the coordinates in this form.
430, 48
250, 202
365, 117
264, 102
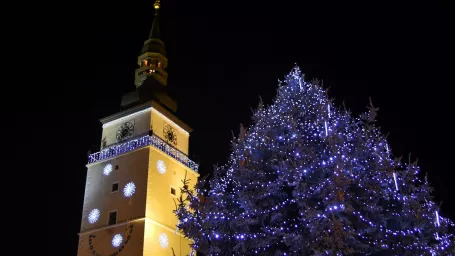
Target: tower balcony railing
141, 142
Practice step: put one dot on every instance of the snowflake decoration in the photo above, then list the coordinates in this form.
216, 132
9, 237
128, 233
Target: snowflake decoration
107, 169
93, 216
117, 240
129, 189
163, 240
161, 166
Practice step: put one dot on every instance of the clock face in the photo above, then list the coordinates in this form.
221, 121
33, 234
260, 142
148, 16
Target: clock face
170, 135
125, 131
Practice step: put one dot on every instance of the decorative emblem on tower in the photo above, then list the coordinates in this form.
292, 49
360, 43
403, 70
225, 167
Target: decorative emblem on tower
170, 135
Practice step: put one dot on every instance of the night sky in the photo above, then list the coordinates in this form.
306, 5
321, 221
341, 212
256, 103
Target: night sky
224, 55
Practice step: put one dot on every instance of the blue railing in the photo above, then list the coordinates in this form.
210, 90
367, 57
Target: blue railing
141, 142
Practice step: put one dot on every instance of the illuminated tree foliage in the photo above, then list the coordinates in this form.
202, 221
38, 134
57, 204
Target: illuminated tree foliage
308, 178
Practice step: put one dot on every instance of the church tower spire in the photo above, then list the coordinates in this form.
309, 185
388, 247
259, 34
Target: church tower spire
151, 75
152, 61
155, 31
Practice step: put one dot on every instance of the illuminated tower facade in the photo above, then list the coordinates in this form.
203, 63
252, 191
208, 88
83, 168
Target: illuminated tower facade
133, 181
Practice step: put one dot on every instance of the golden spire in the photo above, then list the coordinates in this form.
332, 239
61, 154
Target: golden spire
157, 4
155, 31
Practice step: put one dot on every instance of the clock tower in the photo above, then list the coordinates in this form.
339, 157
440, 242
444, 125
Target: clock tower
135, 178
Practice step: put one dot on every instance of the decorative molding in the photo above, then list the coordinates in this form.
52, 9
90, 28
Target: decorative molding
113, 120
119, 120
134, 220
166, 227
111, 226
169, 120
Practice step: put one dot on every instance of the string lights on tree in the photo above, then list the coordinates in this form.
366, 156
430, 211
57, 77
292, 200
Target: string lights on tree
308, 178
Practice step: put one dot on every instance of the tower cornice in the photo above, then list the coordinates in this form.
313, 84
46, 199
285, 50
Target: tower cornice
146, 107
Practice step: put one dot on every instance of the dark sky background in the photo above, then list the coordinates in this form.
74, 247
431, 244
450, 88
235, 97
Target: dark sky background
224, 55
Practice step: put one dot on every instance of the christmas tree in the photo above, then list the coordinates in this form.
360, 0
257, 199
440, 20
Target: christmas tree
308, 178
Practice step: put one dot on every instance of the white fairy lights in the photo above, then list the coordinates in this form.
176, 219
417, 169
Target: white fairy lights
306, 167
395, 179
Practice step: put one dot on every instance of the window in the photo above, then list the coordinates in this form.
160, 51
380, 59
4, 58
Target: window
112, 218
114, 187
116, 167
173, 191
